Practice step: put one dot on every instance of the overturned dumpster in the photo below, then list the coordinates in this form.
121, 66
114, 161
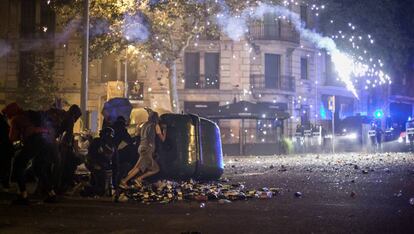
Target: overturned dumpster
192, 148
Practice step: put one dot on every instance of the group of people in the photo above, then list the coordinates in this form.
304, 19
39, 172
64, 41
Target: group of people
115, 151
45, 140
42, 138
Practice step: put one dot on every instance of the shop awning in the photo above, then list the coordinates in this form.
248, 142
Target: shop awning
250, 110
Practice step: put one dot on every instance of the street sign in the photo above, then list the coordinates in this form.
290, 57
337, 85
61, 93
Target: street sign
331, 103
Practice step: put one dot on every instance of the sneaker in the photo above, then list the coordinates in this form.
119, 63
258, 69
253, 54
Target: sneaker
137, 184
21, 201
122, 198
123, 186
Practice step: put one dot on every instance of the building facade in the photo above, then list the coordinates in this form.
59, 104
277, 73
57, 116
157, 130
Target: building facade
274, 65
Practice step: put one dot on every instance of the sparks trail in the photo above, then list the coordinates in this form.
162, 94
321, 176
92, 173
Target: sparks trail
347, 67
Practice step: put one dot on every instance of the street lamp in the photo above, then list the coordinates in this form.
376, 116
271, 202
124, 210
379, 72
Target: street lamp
85, 60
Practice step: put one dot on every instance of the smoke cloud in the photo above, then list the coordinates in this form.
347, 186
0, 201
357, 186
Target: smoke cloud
236, 26
99, 27
135, 28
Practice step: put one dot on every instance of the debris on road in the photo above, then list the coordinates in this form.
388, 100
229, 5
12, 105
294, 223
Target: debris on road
298, 194
353, 194
168, 191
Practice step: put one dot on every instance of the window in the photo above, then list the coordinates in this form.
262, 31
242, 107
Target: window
27, 18
192, 70
272, 71
331, 75
304, 115
212, 70
47, 18
132, 73
304, 68
271, 27
304, 15
109, 68
266, 131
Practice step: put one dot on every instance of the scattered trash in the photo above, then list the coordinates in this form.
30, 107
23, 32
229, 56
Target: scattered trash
271, 166
282, 168
298, 194
399, 194
353, 194
169, 191
202, 205
264, 195
364, 171
412, 201
356, 167
387, 170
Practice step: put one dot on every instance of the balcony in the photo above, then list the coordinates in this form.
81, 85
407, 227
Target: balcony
210, 36
402, 90
261, 31
194, 82
283, 83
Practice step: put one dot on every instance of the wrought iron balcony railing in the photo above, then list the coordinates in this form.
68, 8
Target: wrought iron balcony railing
194, 82
261, 31
282, 83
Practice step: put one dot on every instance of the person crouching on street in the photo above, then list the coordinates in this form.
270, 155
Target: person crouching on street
38, 145
101, 154
146, 163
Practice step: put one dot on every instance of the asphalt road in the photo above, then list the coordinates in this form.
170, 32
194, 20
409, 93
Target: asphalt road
344, 193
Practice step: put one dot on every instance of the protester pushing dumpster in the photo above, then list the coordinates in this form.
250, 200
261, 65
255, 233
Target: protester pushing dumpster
192, 148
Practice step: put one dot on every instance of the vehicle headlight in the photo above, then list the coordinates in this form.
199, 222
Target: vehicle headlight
352, 136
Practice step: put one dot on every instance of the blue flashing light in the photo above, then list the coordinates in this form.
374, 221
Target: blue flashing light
378, 114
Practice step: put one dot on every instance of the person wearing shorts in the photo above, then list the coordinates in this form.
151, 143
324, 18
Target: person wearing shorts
146, 163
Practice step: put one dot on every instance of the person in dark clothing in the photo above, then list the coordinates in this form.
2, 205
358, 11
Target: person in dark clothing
38, 146
63, 123
378, 136
101, 154
69, 120
7, 152
146, 163
107, 119
127, 156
